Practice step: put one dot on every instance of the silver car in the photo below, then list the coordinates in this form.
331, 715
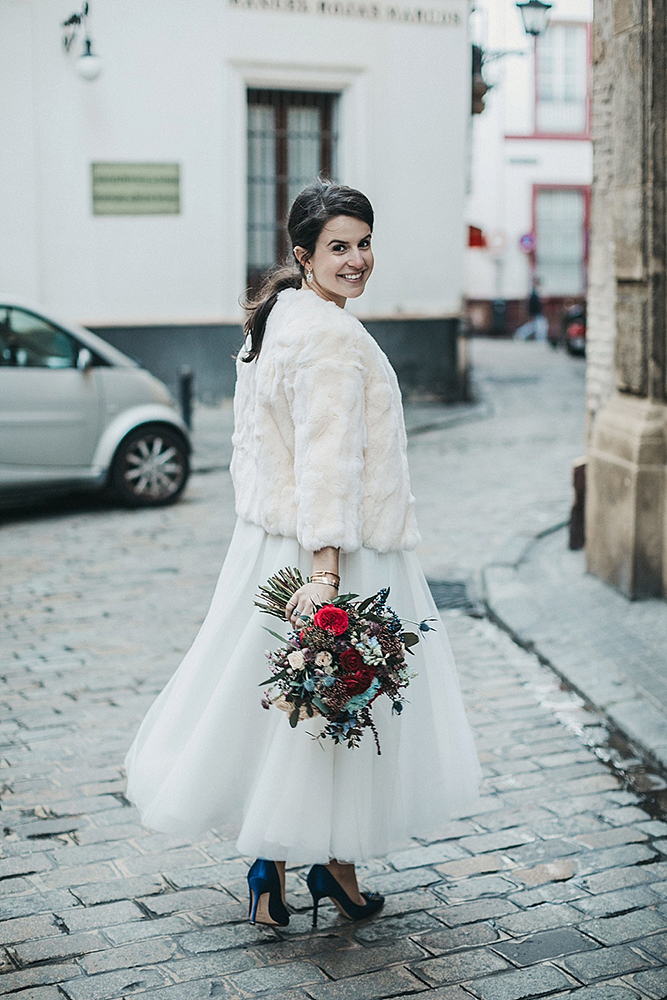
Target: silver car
75, 411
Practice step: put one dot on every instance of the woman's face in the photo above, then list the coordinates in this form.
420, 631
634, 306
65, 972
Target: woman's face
342, 261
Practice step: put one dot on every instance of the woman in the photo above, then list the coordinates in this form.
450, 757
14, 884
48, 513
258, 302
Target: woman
321, 480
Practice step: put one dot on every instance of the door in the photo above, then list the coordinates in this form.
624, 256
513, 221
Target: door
49, 409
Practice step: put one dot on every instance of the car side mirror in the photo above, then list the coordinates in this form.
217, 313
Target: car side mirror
84, 360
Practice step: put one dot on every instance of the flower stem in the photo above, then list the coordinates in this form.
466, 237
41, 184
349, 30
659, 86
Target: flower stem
275, 593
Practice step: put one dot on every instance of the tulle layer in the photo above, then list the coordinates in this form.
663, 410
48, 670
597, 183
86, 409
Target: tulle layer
208, 755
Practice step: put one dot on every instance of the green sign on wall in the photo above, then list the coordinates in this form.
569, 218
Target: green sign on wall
136, 188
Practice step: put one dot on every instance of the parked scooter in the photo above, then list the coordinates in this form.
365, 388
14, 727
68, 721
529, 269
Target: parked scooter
574, 327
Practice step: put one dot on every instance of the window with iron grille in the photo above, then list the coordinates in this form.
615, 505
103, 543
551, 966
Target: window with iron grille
561, 229
291, 141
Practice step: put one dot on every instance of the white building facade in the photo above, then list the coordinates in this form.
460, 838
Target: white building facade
532, 165
144, 202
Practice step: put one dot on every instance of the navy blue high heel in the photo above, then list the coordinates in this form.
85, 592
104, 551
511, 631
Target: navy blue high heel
263, 878
321, 883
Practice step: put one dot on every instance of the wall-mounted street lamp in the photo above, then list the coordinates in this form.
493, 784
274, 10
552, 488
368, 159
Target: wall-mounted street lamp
88, 65
535, 15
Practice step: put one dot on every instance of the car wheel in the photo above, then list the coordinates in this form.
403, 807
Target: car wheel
151, 466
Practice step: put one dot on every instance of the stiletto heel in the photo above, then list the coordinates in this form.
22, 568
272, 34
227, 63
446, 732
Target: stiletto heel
321, 883
263, 879
254, 900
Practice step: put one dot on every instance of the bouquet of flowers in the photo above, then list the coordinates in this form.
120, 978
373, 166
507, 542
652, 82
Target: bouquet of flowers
351, 652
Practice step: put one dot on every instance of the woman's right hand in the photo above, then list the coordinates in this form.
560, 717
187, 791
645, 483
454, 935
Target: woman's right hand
305, 600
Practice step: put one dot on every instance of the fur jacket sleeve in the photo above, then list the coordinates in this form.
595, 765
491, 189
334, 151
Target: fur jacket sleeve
329, 442
319, 440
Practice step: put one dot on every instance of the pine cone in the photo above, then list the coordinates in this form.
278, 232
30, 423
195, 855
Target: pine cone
391, 645
336, 699
321, 638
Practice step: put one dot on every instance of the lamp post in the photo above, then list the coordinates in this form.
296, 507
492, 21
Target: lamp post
535, 15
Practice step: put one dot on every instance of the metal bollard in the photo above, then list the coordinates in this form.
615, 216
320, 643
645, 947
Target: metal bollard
185, 390
577, 533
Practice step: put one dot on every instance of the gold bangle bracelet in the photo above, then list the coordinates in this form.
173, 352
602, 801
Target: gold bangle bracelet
329, 579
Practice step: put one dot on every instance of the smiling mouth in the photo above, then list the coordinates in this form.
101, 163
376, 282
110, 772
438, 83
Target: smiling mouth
356, 277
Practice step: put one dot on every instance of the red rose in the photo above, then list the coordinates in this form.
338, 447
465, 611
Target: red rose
332, 618
351, 661
358, 681
358, 676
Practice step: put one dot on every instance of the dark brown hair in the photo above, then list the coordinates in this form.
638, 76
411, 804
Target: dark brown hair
312, 209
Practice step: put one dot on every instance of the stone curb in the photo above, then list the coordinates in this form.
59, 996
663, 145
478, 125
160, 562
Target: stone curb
422, 418
518, 607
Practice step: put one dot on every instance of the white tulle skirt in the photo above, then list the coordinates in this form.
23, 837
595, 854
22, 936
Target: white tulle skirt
208, 755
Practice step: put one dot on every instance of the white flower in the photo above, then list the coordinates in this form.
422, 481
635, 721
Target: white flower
323, 658
372, 651
295, 659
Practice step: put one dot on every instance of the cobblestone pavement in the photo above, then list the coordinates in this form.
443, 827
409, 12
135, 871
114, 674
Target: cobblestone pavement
556, 887
481, 483
609, 649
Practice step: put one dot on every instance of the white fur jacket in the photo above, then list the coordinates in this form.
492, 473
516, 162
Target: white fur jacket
319, 439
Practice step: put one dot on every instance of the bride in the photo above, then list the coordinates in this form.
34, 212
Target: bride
321, 480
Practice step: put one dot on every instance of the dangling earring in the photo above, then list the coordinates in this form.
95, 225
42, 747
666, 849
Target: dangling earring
309, 277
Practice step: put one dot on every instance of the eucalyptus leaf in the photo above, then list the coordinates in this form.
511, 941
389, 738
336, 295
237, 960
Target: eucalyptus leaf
281, 638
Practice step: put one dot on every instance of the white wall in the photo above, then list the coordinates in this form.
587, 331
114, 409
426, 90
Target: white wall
20, 254
173, 89
505, 169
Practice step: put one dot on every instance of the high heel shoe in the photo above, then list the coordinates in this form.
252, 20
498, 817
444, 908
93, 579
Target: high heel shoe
263, 879
321, 883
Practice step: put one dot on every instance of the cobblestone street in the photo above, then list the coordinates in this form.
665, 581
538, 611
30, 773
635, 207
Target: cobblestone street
556, 887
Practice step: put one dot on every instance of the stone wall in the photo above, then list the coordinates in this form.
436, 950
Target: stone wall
601, 313
626, 534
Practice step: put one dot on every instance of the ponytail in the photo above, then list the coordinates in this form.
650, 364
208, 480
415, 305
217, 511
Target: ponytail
258, 308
